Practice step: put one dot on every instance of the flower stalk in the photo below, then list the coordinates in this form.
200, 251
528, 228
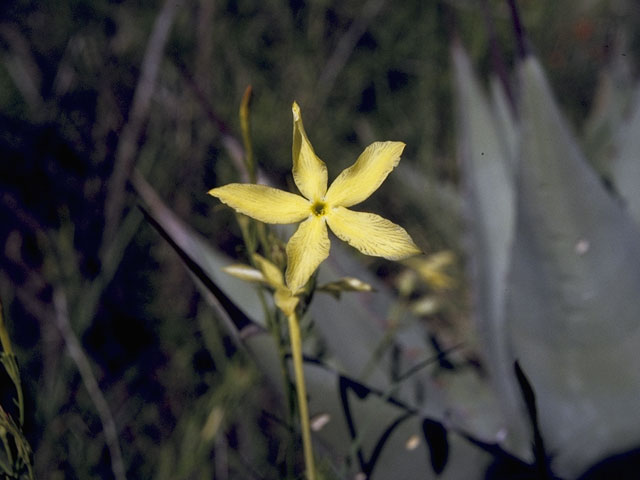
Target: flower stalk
303, 409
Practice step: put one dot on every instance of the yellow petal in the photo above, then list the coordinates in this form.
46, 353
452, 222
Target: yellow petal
263, 203
309, 172
245, 272
271, 273
361, 179
306, 249
371, 234
285, 301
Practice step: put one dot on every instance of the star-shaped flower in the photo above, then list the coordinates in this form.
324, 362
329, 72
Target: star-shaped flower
320, 206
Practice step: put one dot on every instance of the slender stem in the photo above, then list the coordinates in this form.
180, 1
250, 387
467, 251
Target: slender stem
79, 357
8, 467
296, 350
245, 126
12, 366
20, 395
274, 325
4, 336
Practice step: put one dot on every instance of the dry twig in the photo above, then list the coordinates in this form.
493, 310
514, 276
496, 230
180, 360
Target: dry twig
89, 380
343, 51
138, 114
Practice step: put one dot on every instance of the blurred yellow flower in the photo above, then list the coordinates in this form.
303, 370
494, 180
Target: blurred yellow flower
319, 206
432, 269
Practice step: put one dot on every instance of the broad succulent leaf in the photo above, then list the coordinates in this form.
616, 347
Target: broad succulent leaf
489, 190
573, 303
614, 94
355, 325
626, 164
427, 205
505, 121
389, 438
211, 261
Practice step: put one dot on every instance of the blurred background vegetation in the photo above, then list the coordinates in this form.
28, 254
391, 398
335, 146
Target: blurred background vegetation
90, 90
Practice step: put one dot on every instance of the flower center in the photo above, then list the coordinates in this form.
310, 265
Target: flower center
319, 208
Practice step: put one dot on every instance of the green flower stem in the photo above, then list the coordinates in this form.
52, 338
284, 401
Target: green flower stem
296, 350
245, 126
274, 323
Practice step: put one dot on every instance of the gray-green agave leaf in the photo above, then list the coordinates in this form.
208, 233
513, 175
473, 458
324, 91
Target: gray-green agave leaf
488, 184
602, 129
573, 309
626, 164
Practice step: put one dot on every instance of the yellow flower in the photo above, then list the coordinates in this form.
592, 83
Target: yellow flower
320, 206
